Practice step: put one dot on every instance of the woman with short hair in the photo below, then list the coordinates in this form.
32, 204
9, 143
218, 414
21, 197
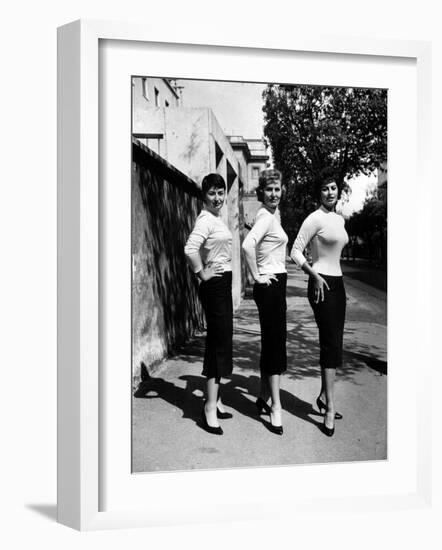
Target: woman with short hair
209, 253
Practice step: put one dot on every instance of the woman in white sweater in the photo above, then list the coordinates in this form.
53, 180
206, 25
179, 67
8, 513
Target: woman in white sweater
265, 253
209, 252
325, 232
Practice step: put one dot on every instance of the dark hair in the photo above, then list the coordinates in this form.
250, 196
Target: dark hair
326, 176
267, 176
212, 180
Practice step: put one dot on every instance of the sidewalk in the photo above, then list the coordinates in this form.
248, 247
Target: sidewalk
167, 433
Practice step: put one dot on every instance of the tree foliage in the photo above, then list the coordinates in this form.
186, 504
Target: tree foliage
371, 219
313, 128
369, 225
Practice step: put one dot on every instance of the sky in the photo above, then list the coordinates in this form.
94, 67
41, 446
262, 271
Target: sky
237, 105
238, 109
359, 187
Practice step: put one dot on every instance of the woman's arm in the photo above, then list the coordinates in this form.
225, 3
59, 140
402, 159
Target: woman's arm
203, 273
250, 256
319, 281
196, 239
305, 235
254, 237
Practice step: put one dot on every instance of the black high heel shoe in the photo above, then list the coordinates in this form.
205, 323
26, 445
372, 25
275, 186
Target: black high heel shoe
321, 406
328, 431
211, 429
278, 430
262, 406
223, 415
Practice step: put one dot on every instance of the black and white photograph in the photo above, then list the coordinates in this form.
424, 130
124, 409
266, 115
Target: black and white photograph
259, 274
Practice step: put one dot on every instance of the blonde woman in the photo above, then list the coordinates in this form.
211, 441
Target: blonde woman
265, 253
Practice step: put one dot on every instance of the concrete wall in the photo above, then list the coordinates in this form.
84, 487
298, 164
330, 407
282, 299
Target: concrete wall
228, 167
188, 144
251, 205
242, 177
148, 120
165, 306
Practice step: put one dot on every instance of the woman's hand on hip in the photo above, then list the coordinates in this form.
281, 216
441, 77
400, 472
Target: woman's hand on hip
320, 283
266, 279
210, 271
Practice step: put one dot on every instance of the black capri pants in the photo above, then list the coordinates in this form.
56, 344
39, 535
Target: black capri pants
330, 318
216, 298
272, 308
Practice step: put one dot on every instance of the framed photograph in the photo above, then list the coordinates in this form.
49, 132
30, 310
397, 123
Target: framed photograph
142, 119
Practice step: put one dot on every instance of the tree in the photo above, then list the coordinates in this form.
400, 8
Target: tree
370, 225
313, 128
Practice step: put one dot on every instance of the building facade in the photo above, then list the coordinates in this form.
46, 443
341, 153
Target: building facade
253, 158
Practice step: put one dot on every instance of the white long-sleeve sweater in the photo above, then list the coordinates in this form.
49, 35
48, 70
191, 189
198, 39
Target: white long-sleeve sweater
210, 242
325, 232
269, 240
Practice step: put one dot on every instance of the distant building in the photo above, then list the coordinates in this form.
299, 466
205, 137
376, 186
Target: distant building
147, 94
252, 157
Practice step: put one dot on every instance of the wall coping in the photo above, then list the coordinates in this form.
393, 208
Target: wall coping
141, 152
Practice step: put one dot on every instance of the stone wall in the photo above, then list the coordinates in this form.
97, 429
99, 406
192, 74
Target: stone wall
165, 305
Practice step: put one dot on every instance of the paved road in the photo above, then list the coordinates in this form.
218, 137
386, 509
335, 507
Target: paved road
167, 433
365, 272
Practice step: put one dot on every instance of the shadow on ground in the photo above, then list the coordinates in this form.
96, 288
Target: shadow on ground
238, 393
48, 511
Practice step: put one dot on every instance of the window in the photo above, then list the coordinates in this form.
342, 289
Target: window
145, 88
154, 144
153, 141
255, 172
157, 97
166, 103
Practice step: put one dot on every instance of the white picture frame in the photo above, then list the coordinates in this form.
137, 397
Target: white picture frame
79, 293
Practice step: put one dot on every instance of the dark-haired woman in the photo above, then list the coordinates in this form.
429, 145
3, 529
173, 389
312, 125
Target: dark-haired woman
265, 253
325, 232
209, 253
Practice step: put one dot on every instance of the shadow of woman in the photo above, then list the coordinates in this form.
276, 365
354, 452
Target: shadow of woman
300, 408
238, 393
371, 361
189, 399
249, 386
234, 392
152, 387
246, 390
